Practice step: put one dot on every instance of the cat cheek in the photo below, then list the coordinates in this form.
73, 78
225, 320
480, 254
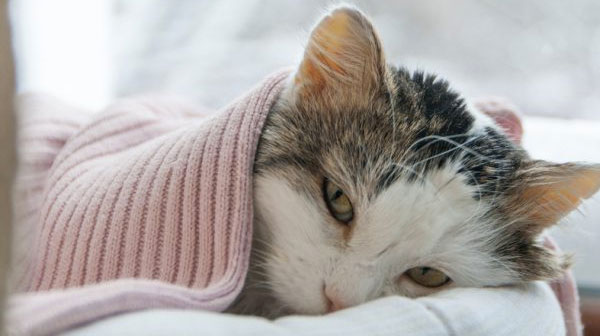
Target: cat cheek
301, 291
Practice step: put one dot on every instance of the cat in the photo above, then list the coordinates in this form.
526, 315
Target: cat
370, 181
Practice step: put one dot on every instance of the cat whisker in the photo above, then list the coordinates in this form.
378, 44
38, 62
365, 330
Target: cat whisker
457, 147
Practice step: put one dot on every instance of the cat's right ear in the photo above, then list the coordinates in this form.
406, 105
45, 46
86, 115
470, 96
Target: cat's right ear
541, 195
343, 61
545, 192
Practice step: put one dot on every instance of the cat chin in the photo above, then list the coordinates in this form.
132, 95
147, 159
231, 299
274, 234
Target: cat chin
266, 302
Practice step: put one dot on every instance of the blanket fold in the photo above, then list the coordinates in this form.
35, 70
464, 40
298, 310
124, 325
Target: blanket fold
147, 205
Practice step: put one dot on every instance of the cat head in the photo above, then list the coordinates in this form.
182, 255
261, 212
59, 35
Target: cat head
373, 181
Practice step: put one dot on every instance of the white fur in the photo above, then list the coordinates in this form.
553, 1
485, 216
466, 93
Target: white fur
435, 224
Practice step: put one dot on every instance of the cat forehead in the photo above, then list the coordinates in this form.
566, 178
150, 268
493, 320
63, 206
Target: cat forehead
425, 127
421, 212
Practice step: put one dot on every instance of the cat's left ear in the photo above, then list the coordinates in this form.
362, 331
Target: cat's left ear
504, 114
343, 60
544, 192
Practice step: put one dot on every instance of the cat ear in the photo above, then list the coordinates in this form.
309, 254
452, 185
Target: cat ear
547, 192
504, 114
343, 59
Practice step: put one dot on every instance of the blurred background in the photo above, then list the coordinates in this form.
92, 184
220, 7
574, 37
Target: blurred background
543, 55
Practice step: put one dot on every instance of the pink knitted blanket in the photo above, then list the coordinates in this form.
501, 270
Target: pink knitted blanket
147, 205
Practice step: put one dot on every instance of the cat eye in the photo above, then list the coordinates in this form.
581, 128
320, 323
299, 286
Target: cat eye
338, 202
428, 277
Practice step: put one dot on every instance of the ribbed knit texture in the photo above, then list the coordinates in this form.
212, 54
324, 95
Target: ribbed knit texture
148, 205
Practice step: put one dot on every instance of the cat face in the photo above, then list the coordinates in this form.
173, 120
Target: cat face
372, 181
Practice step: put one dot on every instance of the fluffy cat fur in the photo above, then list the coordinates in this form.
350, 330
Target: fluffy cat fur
433, 182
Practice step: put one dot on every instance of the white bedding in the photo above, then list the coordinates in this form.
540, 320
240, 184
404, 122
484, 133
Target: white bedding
530, 310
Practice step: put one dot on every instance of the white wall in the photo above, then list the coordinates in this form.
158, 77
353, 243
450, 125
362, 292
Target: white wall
62, 48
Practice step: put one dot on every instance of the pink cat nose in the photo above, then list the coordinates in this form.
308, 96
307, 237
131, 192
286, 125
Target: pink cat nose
332, 300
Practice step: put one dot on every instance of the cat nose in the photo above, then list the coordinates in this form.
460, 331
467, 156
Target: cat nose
332, 299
